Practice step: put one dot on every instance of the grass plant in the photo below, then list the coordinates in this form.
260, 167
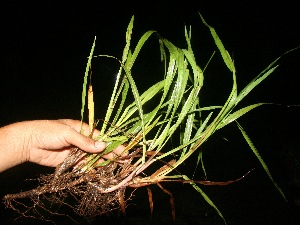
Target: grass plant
177, 113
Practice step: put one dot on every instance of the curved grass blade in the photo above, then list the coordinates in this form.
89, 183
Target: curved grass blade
237, 114
205, 196
128, 66
225, 55
125, 56
262, 76
145, 97
256, 81
258, 156
128, 39
232, 99
137, 49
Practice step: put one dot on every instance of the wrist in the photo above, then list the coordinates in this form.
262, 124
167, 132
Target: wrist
13, 145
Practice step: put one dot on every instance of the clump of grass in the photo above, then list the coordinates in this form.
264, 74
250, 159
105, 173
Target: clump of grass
97, 186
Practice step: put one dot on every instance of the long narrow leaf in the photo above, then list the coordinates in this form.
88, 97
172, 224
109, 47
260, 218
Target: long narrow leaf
258, 156
206, 198
235, 115
84, 86
225, 55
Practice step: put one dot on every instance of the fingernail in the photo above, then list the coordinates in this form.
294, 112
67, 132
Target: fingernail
100, 144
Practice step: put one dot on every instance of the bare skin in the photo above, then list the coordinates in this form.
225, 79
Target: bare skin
45, 142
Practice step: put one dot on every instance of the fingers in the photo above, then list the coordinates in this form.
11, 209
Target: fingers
83, 142
119, 150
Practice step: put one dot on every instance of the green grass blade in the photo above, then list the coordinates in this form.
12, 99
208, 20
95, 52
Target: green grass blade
206, 198
225, 55
145, 97
234, 116
188, 129
114, 96
258, 156
200, 159
128, 39
84, 86
137, 49
256, 81
126, 56
124, 88
232, 99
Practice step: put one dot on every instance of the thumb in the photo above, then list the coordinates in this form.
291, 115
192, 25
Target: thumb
83, 142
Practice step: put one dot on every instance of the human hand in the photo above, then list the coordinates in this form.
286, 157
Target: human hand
46, 142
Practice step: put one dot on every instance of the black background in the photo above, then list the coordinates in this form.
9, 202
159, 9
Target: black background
44, 48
